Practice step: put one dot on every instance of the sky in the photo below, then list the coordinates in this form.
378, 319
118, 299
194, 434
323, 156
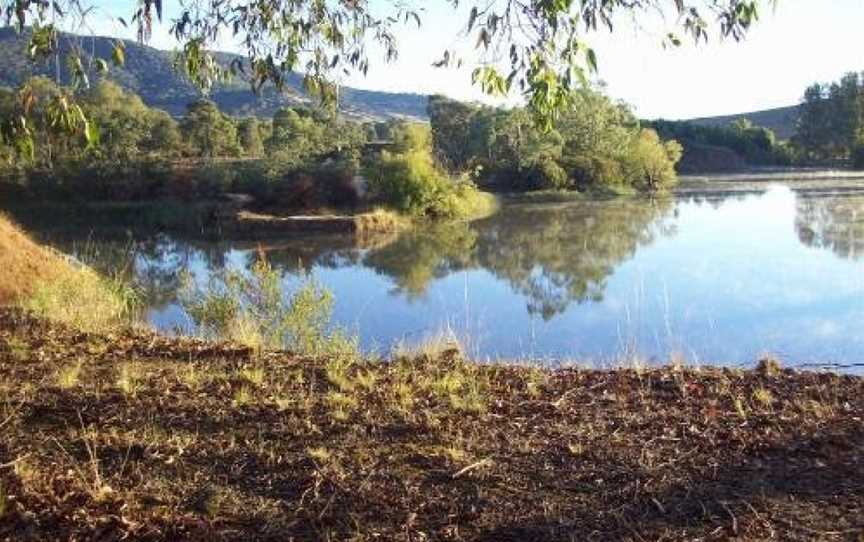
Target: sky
792, 46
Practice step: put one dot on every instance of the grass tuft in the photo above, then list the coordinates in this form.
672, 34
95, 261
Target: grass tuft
69, 376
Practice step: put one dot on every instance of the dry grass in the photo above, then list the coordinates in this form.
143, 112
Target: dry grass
380, 221
177, 439
47, 283
24, 263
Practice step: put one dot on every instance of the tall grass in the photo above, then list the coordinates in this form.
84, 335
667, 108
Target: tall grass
78, 296
253, 309
56, 287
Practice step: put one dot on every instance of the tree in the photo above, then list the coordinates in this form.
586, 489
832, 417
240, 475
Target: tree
651, 163
536, 48
831, 119
249, 134
165, 135
208, 131
122, 119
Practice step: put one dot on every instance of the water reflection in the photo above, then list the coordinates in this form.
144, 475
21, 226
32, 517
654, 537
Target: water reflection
832, 222
718, 276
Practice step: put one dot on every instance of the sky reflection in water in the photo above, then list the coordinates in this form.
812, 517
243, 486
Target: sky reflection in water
720, 280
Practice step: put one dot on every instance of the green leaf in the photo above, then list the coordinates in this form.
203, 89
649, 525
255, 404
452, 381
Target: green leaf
91, 134
118, 55
592, 60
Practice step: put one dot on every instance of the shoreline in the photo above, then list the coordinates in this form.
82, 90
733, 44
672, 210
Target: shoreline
165, 438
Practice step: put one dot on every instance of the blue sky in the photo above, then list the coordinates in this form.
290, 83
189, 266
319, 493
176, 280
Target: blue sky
800, 42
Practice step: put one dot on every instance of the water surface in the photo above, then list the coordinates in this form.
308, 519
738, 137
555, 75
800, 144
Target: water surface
716, 276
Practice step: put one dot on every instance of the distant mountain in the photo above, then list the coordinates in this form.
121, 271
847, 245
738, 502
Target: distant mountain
781, 120
149, 72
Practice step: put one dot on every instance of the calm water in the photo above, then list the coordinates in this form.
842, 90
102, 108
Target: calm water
718, 278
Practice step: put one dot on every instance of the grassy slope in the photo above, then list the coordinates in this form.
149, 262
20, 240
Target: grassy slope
152, 438
781, 120
22, 262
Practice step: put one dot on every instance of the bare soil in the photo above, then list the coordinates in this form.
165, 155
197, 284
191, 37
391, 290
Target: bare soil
136, 437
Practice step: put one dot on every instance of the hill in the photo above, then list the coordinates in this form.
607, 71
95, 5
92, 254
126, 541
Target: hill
781, 120
150, 73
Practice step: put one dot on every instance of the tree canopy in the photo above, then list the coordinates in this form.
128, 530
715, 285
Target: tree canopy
539, 48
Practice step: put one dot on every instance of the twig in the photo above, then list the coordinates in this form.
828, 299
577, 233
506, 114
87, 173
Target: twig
472, 466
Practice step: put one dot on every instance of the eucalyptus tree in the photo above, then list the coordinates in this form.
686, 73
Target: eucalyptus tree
539, 48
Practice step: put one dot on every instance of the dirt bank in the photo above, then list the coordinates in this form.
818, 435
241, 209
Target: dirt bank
23, 263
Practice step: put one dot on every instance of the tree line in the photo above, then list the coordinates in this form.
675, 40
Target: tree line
307, 157
831, 121
595, 144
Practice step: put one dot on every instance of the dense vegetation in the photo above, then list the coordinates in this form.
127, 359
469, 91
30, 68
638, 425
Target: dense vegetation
302, 159
751, 144
827, 127
596, 144
831, 121
313, 159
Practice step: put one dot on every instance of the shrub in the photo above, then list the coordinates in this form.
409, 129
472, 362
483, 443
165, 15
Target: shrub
251, 308
546, 174
411, 182
594, 171
650, 163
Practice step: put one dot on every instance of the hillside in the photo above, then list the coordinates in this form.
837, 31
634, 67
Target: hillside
781, 120
149, 73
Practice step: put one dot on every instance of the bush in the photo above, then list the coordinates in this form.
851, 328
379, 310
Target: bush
546, 174
252, 309
650, 163
594, 171
212, 179
410, 181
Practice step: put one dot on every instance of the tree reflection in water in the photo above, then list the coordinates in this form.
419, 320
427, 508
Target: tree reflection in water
554, 255
833, 222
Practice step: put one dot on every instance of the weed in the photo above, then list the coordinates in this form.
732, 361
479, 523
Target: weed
764, 397
83, 299
18, 348
3, 501
534, 380
252, 309
576, 449
68, 377
191, 377
243, 397
129, 379
740, 408
320, 454
341, 405
254, 376
769, 366
366, 379
91, 477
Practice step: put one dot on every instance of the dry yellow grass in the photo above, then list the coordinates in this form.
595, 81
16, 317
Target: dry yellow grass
24, 263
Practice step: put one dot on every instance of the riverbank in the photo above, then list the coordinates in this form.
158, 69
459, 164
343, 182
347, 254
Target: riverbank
225, 218
140, 436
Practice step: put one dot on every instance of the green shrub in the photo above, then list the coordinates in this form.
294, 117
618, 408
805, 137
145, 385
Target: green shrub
546, 174
650, 162
252, 309
411, 182
594, 171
